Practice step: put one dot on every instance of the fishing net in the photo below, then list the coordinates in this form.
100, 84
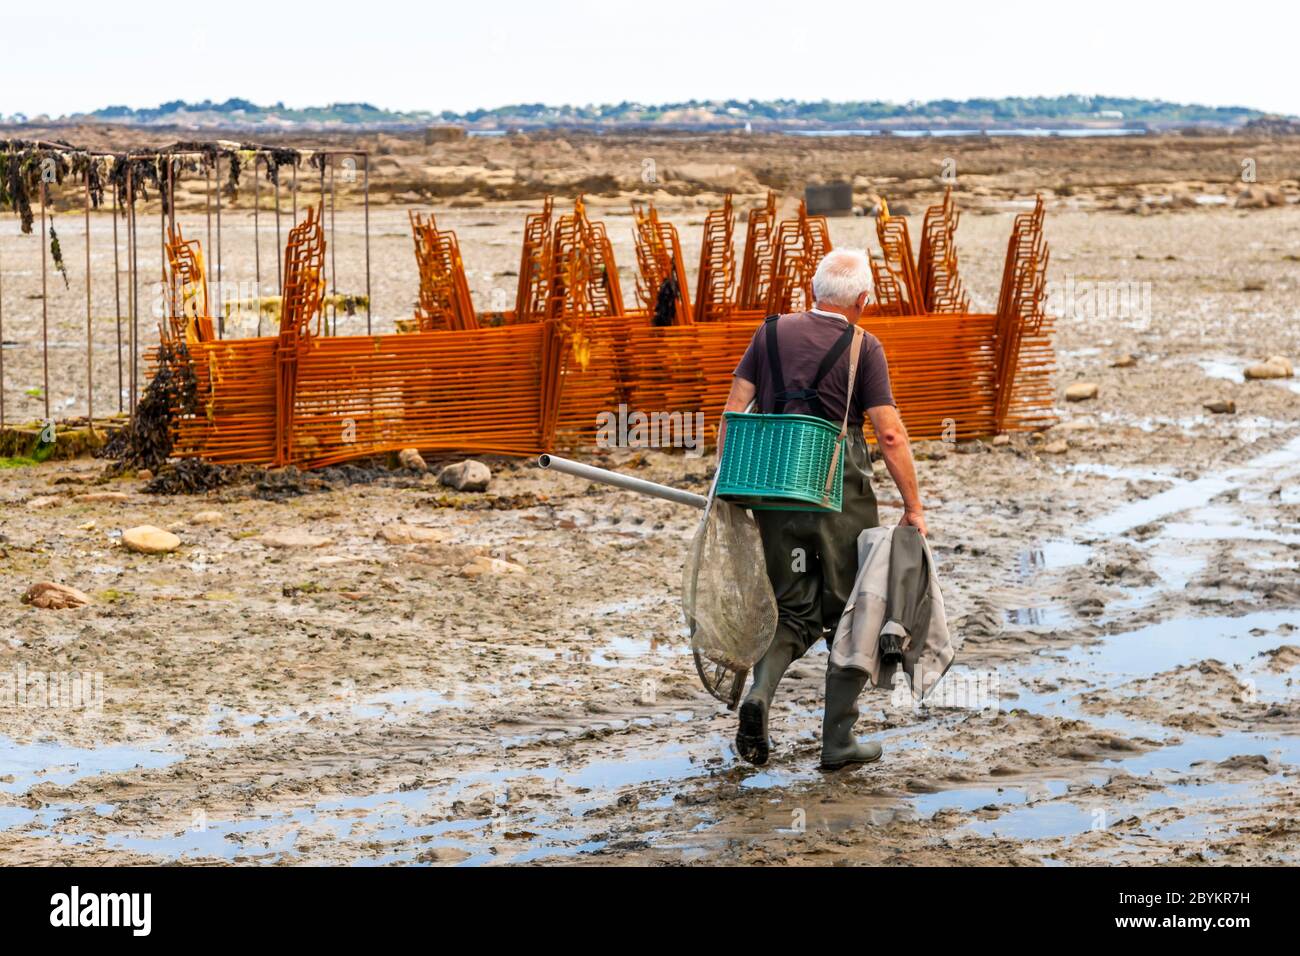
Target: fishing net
727, 599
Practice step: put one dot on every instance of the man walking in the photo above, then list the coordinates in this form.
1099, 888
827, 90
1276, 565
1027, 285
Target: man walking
811, 556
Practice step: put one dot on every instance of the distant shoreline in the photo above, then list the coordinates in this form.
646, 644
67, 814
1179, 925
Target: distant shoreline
1066, 115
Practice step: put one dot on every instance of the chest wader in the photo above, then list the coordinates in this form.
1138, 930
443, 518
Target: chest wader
811, 556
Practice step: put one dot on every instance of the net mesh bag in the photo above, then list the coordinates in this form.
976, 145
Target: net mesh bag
726, 596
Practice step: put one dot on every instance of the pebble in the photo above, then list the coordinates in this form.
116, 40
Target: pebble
1127, 360
1081, 391
468, 475
44, 501
150, 540
1221, 406
207, 517
54, 597
412, 460
1058, 447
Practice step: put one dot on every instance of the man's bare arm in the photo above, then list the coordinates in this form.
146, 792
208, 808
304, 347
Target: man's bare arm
891, 438
742, 393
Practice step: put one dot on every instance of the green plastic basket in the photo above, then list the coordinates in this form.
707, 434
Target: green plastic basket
779, 463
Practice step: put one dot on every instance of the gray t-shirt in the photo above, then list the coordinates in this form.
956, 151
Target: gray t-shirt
804, 338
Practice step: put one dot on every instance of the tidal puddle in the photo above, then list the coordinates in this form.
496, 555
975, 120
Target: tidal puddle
1277, 468
974, 798
1045, 821
1168, 644
63, 764
1056, 553
623, 651
1035, 810
1050, 616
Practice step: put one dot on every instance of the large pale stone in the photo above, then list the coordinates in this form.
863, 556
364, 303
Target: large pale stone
1081, 391
468, 475
150, 540
54, 597
1269, 369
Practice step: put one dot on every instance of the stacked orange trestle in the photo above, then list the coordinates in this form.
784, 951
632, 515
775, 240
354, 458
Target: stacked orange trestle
444, 301
188, 315
659, 261
801, 243
572, 351
716, 279
940, 284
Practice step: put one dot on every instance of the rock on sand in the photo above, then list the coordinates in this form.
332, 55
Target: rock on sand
54, 597
468, 475
412, 460
150, 540
1081, 391
1275, 366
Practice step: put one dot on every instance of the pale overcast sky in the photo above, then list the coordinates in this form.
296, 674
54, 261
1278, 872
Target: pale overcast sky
74, 56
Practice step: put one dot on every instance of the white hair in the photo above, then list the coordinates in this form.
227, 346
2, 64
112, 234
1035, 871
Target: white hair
842, 276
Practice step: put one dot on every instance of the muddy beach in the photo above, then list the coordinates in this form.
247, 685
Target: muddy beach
365, 667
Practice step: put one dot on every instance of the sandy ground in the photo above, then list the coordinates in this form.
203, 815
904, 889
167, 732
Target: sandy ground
1128, 607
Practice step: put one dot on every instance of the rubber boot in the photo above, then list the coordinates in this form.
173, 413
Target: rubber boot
839, 748
752, 742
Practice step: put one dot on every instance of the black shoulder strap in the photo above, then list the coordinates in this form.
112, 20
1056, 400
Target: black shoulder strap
774, 364
832, 356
